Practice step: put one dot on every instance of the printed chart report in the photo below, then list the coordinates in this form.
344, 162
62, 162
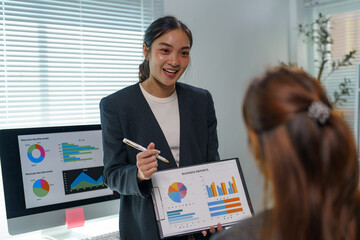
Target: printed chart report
192, 199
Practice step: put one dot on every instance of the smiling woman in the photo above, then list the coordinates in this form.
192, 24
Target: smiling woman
168, 59
177, 118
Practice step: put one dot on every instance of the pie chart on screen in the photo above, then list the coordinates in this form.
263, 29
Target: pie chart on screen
177, 191
41, 188
36, 153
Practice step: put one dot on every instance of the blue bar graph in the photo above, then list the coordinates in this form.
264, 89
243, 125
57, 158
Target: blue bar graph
225, 206
177, 216
220, 191
218, 213
230, 189
217, 208
210, 194
216, 202
71, 152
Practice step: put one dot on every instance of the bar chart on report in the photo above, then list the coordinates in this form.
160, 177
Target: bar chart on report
199, 196
222, 189
224, 201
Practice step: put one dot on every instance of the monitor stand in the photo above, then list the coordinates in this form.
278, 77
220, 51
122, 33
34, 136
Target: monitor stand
60, 233
91, 228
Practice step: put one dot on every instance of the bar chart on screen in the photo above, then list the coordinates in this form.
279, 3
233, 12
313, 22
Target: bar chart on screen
76, 152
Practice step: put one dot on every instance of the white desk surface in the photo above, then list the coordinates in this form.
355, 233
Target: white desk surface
91, 228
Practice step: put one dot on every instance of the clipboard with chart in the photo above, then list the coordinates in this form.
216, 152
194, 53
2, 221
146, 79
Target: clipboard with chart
191, 199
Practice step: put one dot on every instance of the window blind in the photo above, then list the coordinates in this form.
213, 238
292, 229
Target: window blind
59, 58
345, 32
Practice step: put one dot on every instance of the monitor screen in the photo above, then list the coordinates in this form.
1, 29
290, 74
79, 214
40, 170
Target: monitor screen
47, 170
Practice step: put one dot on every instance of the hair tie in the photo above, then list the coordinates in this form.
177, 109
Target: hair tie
319, 111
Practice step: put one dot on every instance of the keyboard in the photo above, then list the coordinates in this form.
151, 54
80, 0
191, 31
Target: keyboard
106, 236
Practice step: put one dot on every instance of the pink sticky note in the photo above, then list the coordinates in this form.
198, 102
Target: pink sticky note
74, 217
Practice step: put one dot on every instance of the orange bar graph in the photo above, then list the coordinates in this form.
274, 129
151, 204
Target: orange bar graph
231, 200
235, 210
233, 205
227, 192
223, 187
234, 185
213, 189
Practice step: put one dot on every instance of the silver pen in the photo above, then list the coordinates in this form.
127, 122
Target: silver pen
141, 148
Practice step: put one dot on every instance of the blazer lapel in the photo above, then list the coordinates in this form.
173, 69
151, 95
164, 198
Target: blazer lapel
185, 126
155, 135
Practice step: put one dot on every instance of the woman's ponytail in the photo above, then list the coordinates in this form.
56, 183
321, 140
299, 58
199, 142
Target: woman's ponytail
144, 70
309, 156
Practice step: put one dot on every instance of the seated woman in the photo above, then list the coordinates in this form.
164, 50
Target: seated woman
308, 157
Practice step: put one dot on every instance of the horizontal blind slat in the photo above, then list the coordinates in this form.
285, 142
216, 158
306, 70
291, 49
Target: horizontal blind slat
68, 53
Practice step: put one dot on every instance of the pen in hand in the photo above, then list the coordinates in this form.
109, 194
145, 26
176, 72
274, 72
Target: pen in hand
141, 148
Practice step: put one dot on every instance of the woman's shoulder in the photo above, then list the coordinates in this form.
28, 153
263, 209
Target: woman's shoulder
247, 229
184, 88
126, 94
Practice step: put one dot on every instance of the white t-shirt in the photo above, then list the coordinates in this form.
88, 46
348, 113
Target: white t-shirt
166, 111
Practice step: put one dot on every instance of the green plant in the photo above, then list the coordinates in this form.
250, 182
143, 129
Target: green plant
318, 33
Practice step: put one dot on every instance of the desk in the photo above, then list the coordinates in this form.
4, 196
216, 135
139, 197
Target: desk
91, 228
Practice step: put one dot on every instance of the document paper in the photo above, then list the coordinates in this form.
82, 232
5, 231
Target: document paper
191, 199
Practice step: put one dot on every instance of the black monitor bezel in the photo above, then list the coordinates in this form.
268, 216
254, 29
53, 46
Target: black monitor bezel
12, 174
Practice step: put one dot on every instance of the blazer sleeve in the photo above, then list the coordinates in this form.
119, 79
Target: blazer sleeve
213, 154
119, 174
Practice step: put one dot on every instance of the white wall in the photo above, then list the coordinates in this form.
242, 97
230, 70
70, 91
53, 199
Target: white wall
234, 40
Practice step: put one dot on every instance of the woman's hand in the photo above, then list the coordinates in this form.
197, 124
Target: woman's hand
212, 230
146, 162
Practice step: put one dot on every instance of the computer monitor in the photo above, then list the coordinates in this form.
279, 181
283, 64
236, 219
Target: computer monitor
48, 170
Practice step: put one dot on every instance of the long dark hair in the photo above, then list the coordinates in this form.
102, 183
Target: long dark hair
312, 167
156, 30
